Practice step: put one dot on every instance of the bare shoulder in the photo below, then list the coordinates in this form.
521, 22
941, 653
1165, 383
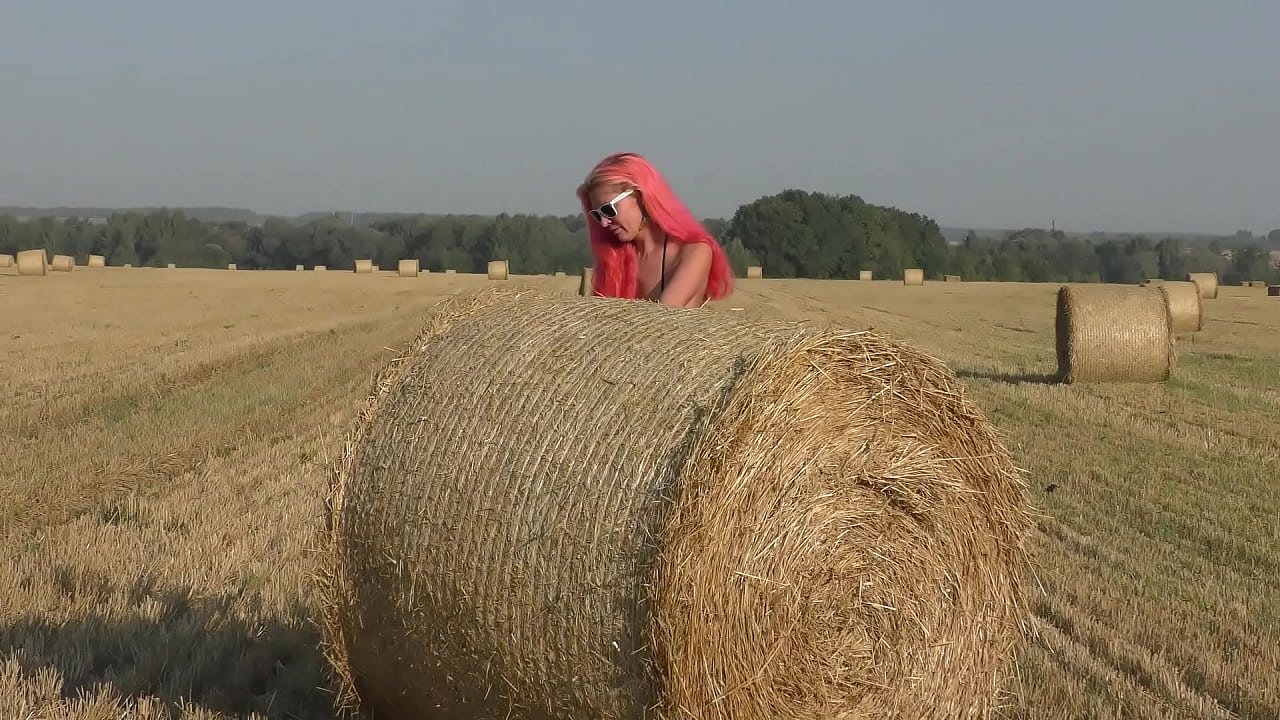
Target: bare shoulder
696, 253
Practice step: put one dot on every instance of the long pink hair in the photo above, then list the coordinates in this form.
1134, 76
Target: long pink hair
616, 267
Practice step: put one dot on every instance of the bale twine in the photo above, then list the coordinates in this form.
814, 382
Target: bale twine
585, 283
913, 276
63, 263
6, 261
1208, 283
528, 523
1273, 291
364, 266
951, 278
497, 269
1114, 334
32, 262
408, 267
755, 272
97, 261
1186, 310
864, 274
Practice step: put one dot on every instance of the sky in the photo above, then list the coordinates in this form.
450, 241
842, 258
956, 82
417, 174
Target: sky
1127, 115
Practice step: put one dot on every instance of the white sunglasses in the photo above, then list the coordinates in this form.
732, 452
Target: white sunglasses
609, 209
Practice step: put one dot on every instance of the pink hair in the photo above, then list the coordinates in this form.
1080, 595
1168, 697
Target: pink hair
616, 267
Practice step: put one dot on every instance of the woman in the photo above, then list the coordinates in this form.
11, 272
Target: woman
646, 244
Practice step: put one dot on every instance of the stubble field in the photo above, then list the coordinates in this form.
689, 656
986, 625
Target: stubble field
165, 440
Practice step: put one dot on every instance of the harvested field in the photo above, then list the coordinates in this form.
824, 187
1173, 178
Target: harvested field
188, 446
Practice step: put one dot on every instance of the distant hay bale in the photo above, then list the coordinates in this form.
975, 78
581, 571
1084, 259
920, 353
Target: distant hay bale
1152, 281
6, 261
450, 271
864, 274
913, 276
559, 273
364, 266
299, 268
127, 265
951, 278
319, 268
97, 261
62, 263
231, 266
497, 269
171, 266
1114, 334
408, 267
810, 524
1273, 291
1243, 283
755, 272
1186, 309
1257, 283
32, 262
1208, 283
585, 282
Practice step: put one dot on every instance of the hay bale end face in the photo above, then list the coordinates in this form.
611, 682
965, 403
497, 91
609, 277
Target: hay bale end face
6, 261
1186, 309
299, 268
231, 266
864, 274
913, 276
851, 523
755, 272
63, 263
364, 266
1114, 334
97, 261
408, 267
1208, 283
32, 262
497, 269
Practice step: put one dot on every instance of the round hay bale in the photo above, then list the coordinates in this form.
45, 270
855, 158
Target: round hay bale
1185, 306
231, 266
1208, 283
497, 269
585, 283
299, 268
951, 278
864, 274
527, 523
364, 266
1257, 283
6, 261
1273, 291
913, 276
319, 268
62, 263
1114, 334
32, 262
755, 272
559, 273
408, 267
450, 272
97, 261
127, 265
171, 266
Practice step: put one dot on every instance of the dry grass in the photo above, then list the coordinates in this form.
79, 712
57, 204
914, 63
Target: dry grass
155, 527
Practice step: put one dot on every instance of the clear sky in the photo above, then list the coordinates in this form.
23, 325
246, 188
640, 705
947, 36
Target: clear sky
1148, 115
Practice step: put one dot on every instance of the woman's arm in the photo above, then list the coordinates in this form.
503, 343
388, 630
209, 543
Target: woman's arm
687, 286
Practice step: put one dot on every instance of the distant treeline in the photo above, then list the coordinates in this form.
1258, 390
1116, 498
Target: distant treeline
791, 234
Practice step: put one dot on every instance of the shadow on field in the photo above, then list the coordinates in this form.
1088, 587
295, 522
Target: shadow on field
1011, 378
182, 649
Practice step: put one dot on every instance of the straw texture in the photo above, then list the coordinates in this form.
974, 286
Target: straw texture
755, 272
364, 266
1186, 310
913, 276
62, 263
1208, 283
32, 262
97, 261
1108, 333
497, 269
545, 511
864, 274
408, 267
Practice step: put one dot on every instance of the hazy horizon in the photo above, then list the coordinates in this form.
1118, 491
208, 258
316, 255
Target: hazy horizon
1094, 117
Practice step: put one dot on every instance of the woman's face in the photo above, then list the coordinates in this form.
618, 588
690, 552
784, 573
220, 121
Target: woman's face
628, 215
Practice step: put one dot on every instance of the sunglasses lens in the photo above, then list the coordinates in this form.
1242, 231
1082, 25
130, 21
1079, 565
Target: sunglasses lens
608, 210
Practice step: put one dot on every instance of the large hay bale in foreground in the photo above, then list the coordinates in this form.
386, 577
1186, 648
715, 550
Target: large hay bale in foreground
497, 269
97, 261
1186, 310
913, 276
364, 266
62, 263
755, 272
1109, 333
408, 267
6, 261
1208, 283
864, 274
32, 262
809, 524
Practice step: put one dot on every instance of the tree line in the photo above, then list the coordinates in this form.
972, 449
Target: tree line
793, 233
